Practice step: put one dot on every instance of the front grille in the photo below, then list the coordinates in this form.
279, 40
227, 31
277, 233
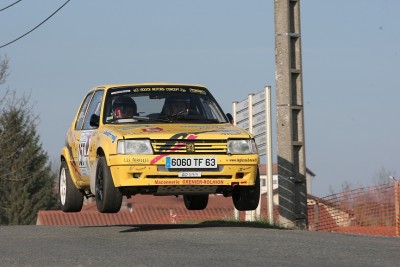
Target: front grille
180, 146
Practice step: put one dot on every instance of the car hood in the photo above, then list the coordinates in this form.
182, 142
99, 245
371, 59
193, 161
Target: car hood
176, 131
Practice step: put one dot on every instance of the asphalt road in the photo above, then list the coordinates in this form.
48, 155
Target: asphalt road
190, 245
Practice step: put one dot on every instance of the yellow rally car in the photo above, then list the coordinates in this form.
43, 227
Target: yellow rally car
159, 139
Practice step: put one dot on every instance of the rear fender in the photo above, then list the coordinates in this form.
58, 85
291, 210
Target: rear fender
73, 169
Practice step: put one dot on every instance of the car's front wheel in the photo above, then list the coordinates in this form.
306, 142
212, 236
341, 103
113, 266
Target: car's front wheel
108, 197
247, 197
195, 202
70, 197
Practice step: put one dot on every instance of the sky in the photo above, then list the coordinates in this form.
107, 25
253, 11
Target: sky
350, 53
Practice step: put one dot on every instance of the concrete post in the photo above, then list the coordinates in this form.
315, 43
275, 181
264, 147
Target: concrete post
290, 115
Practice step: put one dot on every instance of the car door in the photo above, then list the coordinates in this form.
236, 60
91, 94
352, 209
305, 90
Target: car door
85, 151
77, 132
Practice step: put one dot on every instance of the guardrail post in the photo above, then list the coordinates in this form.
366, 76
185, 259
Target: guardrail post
396, 207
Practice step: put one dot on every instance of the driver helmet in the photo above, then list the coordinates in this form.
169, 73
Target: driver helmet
175, 105
124, 107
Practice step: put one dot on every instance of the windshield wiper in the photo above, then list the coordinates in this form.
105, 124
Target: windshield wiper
162, 119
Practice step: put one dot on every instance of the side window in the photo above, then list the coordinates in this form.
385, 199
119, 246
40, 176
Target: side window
94, 108
212, 110
82, 111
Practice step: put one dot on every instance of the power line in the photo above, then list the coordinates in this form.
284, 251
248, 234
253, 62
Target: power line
36, 26
10, 5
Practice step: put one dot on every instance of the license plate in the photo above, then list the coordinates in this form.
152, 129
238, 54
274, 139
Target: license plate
191, 162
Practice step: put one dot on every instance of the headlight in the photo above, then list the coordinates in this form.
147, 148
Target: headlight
134, 147
247, 146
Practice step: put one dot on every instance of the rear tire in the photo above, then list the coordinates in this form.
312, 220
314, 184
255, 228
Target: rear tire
70, 197
247, 197
108, 197
195, 202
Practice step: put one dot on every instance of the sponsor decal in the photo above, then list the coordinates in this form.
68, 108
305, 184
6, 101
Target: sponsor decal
130, 127
189, 182
159, 89
197, 91
111, 135
203, 127
229, 132
135, 160
83, 152
189, 174
202, 182
177, 146
135, 168
167, 182
244, 169
215, 130
245, 160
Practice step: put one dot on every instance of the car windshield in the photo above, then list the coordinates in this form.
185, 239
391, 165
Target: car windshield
164, 104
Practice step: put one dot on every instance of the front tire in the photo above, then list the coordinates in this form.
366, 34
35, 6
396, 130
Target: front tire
195, 202
108, 197
70, 197
247, 197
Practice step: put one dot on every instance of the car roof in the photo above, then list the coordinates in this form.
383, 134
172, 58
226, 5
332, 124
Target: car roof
107, 86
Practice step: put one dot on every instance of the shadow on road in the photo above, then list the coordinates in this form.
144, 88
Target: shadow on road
152, 227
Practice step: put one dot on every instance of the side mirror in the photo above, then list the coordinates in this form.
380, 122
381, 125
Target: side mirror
94, 120
230, 117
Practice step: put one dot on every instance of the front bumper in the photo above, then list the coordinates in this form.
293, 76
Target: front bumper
150, 170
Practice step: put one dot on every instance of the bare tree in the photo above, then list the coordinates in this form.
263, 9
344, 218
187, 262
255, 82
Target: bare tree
3, 69
382, 176
345, 186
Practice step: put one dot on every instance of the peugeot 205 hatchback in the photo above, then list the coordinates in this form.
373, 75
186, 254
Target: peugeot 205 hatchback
158, 139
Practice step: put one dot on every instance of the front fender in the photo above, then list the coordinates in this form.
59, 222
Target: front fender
108, 143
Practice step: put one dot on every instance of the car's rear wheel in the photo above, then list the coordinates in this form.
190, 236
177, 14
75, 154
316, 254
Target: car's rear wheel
195, 202
247, 197
108, 197
70, 197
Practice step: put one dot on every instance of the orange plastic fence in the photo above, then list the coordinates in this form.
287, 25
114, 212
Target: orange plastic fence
370, 210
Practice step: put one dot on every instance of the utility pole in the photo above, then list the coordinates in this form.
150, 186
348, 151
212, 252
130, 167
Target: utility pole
290, 115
